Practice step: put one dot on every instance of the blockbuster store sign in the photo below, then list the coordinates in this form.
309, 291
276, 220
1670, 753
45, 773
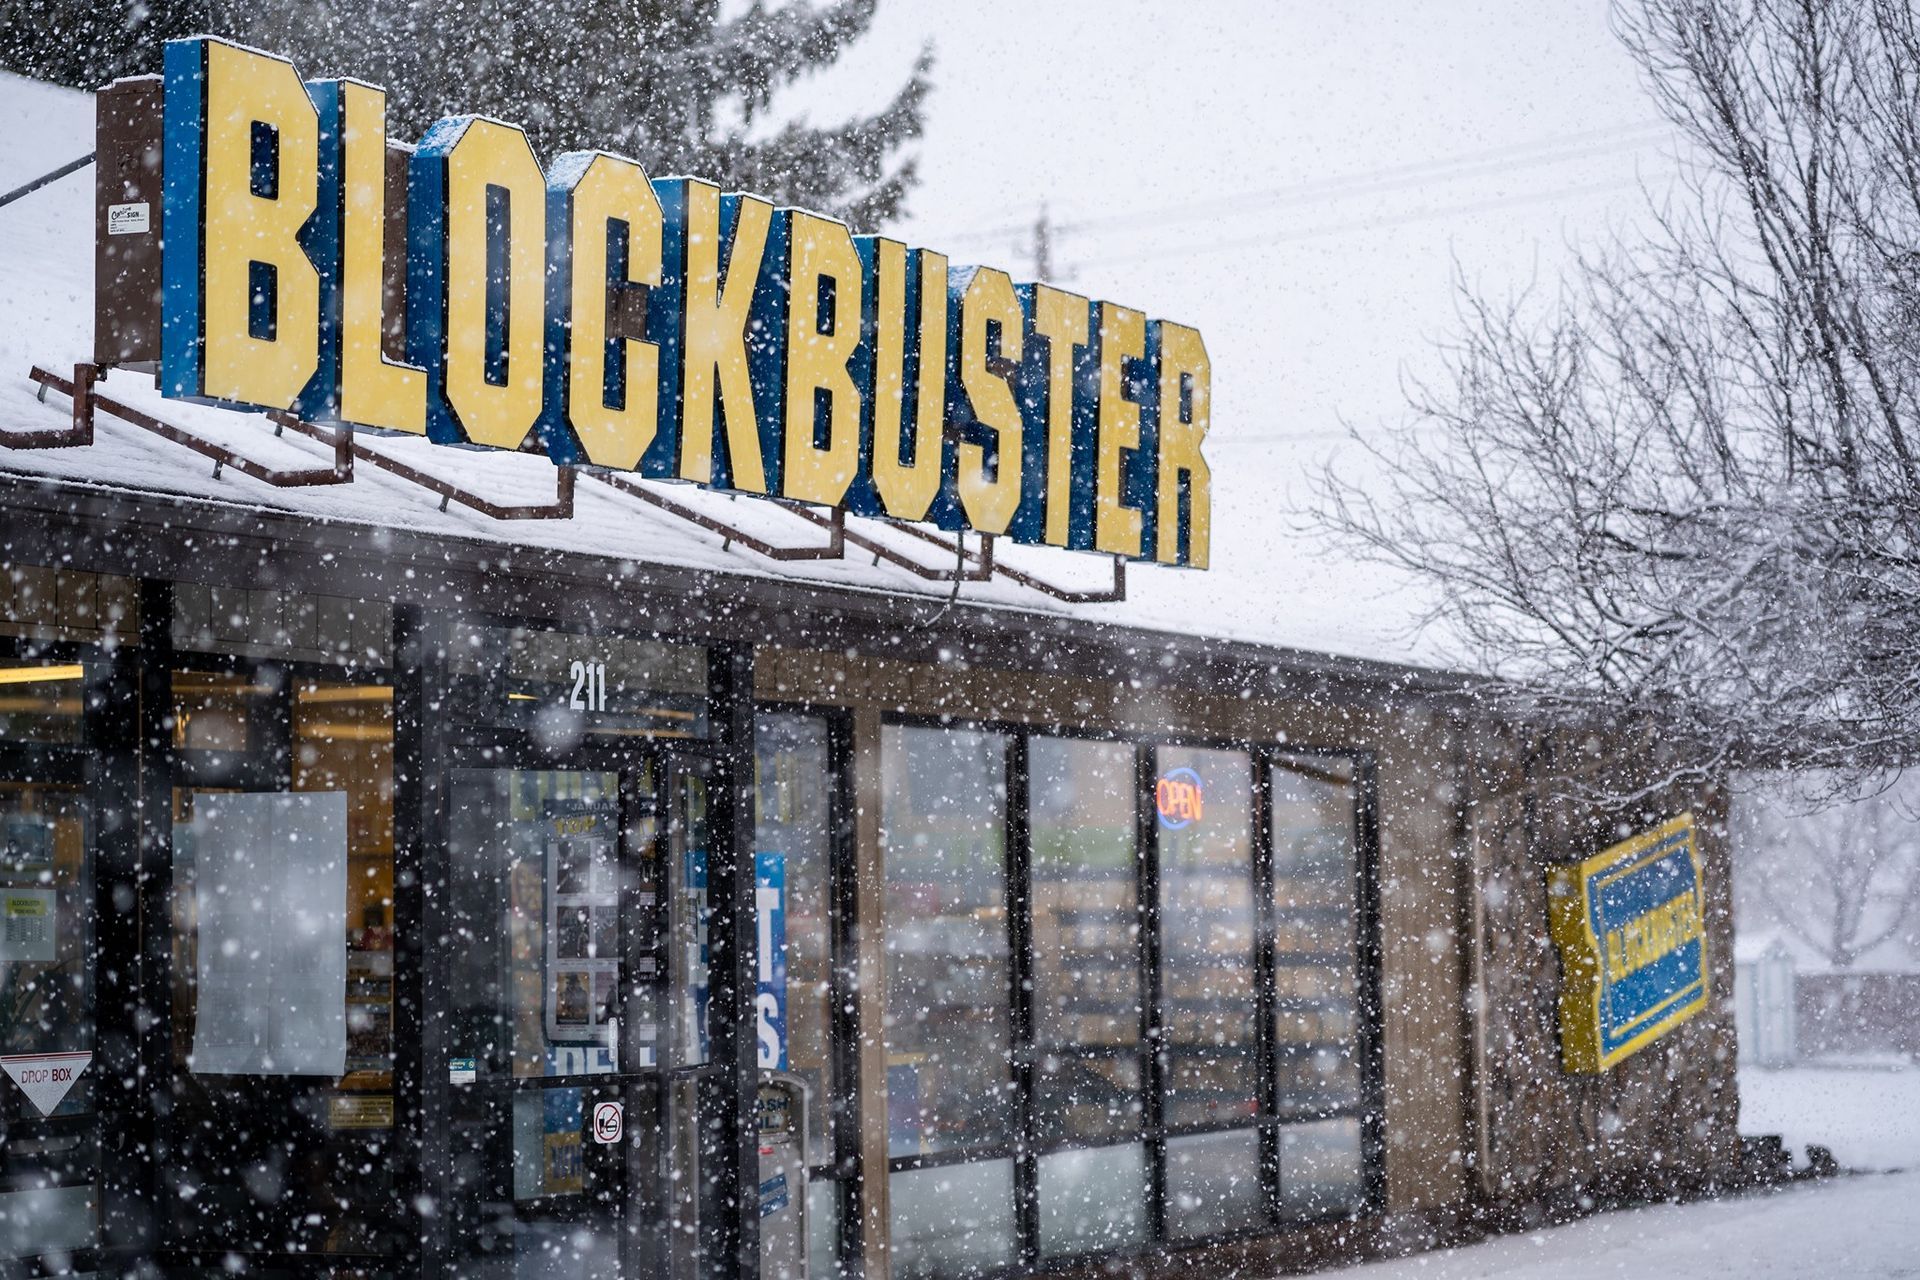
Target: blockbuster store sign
1631, 930
660, 327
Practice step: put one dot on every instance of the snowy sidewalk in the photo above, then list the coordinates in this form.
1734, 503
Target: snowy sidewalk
1870, 1118
1857, 1227
1864, 1227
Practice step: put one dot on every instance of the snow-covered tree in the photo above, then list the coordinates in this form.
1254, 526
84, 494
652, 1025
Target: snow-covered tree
679, 85
86, 43
1689, 486
1843, 879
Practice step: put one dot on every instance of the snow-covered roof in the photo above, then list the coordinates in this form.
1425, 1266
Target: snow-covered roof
1271, 583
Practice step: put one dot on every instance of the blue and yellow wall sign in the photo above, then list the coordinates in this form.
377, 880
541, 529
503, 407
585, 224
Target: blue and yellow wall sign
1633, 945
660, 327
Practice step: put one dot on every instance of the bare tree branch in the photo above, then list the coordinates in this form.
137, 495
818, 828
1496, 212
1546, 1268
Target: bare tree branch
1685, 488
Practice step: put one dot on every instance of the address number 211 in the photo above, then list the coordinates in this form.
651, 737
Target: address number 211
589, 686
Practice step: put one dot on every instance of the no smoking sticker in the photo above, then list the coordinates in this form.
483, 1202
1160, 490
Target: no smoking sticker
609, 1123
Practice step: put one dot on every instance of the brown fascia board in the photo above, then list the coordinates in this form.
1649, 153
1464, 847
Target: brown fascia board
129, 531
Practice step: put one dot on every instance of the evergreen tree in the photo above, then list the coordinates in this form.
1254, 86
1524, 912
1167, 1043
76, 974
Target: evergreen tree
672, 83
86, 43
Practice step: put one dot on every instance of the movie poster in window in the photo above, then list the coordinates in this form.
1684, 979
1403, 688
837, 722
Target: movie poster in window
26, 847
583, 919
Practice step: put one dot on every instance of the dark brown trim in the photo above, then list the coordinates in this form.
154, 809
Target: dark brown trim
420, 1122
87, 402
730, 1093
126, 530
561, 508
730, 534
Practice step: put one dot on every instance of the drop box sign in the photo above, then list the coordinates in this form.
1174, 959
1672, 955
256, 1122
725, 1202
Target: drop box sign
1630, 927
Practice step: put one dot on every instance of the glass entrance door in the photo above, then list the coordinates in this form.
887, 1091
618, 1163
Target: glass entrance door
574, 953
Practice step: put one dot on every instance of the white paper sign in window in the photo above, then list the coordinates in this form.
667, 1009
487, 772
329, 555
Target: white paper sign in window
270, 890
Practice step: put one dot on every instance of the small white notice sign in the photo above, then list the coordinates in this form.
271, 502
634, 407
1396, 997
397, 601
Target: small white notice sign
129, 219
45, 1077
27, 919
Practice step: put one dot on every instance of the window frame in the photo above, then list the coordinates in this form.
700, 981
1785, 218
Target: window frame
843, 1031
267, 764
1026, 1149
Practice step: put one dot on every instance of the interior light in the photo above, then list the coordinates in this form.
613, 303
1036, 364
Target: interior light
323, 731
36, 675
347, 693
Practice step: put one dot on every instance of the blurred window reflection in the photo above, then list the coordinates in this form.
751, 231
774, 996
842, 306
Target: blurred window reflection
943, 827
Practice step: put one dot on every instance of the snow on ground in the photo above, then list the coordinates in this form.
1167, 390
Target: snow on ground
1869, 1117
1862, 1226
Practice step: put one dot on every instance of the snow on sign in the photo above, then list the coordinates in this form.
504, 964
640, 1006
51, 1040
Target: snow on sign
1633, 945
660, 327
45, 1077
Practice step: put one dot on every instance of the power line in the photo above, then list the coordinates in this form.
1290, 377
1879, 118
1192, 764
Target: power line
1372, 224
1238, 206
1296, 437
1469, 164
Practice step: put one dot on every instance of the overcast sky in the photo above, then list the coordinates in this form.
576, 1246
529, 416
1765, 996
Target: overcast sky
1297, 180
1212, 144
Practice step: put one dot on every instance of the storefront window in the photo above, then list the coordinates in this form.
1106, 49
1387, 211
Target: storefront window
689, 918
1086, 932
1204, 805
952, 1220
1087, 1009
1316, 980
1213, 1183
949, 1075
42, 702
943, 827
793, 843
225, 715
535, 896
1236, 1149
1093, 1199
1320, 1169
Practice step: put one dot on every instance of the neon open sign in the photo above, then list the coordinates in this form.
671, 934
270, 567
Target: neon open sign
1180, 798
